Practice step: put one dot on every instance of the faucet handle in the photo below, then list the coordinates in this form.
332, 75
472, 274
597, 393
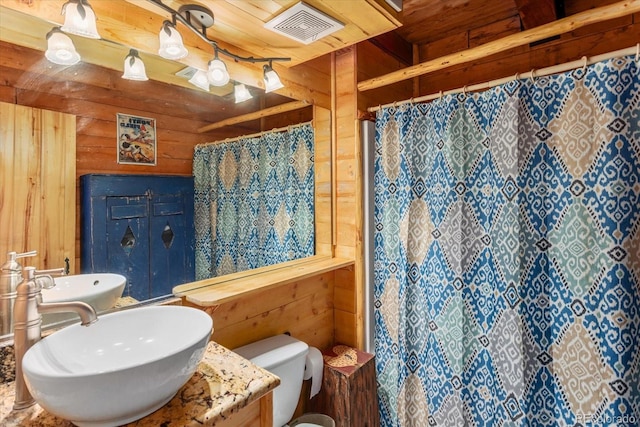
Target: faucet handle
25, 254
41, 280
30, 272
51, 272
12, 266
45, 281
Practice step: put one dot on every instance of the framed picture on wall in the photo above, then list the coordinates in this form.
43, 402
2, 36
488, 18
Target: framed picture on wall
137, 144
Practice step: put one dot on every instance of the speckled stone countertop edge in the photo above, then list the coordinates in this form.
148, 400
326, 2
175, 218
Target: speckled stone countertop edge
223, 384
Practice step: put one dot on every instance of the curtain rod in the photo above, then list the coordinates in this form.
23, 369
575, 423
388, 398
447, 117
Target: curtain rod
266, 112
554, 28
583, 62
255, 135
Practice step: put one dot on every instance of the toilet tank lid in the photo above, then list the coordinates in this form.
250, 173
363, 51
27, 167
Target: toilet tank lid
273, 350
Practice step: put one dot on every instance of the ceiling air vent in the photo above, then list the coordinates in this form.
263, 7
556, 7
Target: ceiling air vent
303, 23
186, 73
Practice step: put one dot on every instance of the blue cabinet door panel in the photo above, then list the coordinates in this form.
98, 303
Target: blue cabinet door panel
167, 241
128, 211
128, 243
168, 208
140, 226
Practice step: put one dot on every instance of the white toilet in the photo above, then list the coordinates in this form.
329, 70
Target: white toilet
285, 357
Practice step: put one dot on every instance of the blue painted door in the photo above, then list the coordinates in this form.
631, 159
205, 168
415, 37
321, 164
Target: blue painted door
141, 227
168, 239
128, 243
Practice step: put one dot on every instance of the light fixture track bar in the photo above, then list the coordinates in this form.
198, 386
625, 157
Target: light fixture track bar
248, 58
176, 16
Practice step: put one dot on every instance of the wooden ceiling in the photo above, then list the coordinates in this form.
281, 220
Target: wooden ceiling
426, 21
239, 28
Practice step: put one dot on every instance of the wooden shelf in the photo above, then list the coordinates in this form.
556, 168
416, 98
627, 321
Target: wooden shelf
215, 291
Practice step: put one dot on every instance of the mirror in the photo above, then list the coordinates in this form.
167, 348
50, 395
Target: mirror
61, 214
85, 100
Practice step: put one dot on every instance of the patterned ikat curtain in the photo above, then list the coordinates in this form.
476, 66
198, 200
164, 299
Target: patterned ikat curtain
254, 201
507, 254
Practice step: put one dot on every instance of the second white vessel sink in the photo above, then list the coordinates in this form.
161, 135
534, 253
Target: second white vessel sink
99, 290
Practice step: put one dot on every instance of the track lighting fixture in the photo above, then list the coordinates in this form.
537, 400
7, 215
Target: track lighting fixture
200, 80
241, 93
171, 46
197, 19
79, 19
60, 48
217, 73
271, 79
134, 67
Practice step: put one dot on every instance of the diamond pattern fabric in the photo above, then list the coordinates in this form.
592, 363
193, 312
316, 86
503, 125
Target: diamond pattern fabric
254, 201
507, 254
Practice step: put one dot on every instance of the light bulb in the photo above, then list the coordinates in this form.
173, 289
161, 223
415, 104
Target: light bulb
217, 73
241, 93
171, 45
79, 19
60, 48
271, 79
134, 67
200, 80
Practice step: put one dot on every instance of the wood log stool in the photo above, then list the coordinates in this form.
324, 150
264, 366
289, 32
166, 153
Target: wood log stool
349, 390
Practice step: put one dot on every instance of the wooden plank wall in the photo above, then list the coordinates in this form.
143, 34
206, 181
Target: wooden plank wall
322, 202
349, 283
37, 171
302, 308
373, 62
591, 40
352, 65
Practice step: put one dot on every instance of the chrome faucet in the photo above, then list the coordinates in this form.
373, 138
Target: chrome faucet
27, 323
10, 278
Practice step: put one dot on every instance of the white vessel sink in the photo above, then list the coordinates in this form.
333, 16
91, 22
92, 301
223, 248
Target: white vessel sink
100, 290
119, 369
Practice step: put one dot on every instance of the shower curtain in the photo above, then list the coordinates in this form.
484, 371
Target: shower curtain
254, 201
507, 254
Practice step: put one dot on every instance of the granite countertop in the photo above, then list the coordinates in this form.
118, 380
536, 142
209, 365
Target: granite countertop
223, 384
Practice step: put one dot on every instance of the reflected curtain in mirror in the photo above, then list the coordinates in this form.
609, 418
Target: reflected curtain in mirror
254, 201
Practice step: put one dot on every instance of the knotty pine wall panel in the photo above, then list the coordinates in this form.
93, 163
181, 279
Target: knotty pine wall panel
347, 166
588, 41
348, 320
496, 30
349, 328
302, 308
322, 201
37, 172
373, 62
